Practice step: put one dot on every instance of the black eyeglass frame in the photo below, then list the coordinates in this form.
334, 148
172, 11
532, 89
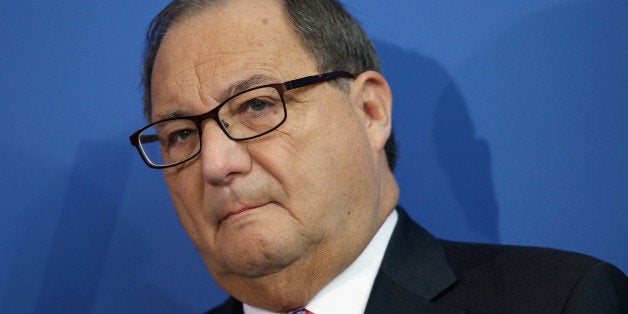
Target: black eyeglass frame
213, 114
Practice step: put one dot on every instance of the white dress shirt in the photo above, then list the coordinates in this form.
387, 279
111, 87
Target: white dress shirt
349, 291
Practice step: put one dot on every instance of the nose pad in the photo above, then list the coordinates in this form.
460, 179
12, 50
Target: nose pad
222, 158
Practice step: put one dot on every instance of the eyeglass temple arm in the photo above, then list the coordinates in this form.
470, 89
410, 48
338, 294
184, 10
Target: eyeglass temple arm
310, 80
148, 138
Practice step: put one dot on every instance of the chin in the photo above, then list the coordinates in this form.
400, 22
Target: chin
257, 264
257, 255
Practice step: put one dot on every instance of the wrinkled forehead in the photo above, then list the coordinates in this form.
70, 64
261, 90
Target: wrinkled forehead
207, 51
217, 35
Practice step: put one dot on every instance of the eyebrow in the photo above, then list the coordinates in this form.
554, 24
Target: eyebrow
171, 115
245, 84
230, 91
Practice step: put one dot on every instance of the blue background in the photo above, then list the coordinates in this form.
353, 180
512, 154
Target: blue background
510, 116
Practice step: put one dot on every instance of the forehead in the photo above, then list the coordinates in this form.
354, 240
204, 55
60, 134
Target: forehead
202, 54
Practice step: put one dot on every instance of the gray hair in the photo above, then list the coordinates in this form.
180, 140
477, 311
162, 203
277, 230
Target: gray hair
333, 38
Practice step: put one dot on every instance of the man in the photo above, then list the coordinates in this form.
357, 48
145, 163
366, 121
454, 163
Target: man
287, 190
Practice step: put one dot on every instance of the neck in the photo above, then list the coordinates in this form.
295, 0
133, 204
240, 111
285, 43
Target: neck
292, 287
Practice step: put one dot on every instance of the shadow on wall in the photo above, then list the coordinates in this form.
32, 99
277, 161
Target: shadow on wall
80, 213
80, 237
444, 170
554, 92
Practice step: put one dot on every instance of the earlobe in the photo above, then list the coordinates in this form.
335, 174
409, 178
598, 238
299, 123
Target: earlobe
375, 99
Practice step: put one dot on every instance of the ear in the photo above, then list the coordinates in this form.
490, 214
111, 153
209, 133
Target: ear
374, 98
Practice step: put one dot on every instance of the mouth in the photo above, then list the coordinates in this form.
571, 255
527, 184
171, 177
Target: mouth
240, 211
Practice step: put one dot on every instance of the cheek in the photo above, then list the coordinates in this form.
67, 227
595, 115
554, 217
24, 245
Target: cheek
183, 182
313, 158
186, 191
339, 157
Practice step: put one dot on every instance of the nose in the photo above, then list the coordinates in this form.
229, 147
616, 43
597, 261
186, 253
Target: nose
222, 158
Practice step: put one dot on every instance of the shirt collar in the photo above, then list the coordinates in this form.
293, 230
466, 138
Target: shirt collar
349, 291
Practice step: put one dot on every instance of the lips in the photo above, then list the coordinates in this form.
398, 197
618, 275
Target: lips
239, 210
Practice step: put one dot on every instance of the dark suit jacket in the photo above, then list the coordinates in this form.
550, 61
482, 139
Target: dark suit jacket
420, 274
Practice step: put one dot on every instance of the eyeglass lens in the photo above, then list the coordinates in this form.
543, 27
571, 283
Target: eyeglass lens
243, 116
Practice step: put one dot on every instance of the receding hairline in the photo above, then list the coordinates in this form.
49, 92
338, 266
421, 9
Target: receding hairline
197, 10
206, 10
203, 18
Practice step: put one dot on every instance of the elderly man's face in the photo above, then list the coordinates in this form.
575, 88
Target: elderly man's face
294, 201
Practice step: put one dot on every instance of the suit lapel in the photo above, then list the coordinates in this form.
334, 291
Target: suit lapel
414, 271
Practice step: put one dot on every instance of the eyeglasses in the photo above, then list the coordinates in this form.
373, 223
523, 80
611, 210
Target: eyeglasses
246, 115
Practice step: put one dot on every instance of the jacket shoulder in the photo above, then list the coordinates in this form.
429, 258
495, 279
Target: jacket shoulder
506, 278
468, 258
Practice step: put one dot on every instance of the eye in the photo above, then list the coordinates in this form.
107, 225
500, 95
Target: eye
180, 136
257, 105
250, 113
257, 108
